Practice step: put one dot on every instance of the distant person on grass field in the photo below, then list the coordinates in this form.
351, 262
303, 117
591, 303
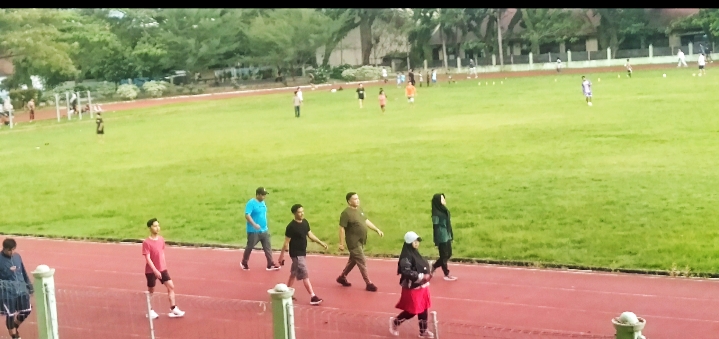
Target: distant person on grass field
411, 92
299, 94
100, 129
629, 68
443, 235
472, 68
360, 94
414, 278
434, 76
702, 63
682, 59
297, 102
382, 99
31, 108
296, 234
587, 90
256, 216
153, 249
420, 79
15, 288
384, 74
559, 65
353, 231
411, 77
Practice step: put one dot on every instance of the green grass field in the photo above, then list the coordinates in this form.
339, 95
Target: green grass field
530, 172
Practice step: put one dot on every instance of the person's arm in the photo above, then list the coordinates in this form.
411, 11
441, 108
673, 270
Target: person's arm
30, 287
374, 228
316, 240
342, 238
152, 266
285, 248
252, 222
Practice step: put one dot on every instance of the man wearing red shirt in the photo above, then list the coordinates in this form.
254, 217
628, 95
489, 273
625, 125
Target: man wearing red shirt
153, 249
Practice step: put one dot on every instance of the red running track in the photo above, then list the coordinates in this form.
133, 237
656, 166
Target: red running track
508, 297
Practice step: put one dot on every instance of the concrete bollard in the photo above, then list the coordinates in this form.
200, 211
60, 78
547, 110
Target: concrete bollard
629, 326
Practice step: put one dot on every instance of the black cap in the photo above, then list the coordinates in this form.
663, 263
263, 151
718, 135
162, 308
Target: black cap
261, 191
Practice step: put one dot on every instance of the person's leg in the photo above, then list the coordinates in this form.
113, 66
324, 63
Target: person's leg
170, 293
447, 256
402, 317
442, 257
10, 324
422, 317
361, 264
267, 248
308, 286
350, 265
252, 240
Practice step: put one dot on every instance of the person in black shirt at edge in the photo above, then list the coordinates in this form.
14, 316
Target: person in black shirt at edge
411, 76
296, 234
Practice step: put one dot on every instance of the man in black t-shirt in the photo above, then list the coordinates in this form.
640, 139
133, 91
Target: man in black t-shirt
360, 94
296, 234
411, 76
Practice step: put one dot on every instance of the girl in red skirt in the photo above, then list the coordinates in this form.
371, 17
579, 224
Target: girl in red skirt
415, 276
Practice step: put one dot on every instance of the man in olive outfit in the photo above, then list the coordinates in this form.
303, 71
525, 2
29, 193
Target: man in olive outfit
353, 231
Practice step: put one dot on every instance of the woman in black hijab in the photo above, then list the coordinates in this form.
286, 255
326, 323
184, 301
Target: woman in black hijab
442, 234
415, 277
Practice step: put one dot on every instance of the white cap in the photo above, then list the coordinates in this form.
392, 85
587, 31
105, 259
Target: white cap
410, 237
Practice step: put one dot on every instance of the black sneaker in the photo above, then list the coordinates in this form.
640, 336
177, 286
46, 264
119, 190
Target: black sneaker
273, 267
371, 288
315, 300
343, 281
244, 266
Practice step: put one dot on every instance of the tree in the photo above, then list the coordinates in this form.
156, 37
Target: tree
287, 38
707, 20
31, 39
342, 22
618, 23
452, 24
547, 25
196, 39
423, 23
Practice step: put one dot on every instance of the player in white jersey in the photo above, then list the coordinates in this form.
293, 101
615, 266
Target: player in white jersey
587, 90
702, 61
299, 94
682, 59
472, 68
384, 74
559, 65
629, 68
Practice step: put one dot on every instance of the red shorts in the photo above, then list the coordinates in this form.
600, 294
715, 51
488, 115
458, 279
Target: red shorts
414, 301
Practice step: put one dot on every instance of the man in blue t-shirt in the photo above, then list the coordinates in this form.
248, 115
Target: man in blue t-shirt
256, 216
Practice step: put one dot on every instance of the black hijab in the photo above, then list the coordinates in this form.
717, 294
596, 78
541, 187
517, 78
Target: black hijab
411, 253
437, 208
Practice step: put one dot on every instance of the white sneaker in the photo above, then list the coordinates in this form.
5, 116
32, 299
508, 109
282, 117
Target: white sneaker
589, 103
153, 314
450, 278
176, 313
426, 334
392, 328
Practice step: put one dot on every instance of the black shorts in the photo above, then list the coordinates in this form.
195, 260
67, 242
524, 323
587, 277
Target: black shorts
101, 131
152, 279
11, 305
701, 67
